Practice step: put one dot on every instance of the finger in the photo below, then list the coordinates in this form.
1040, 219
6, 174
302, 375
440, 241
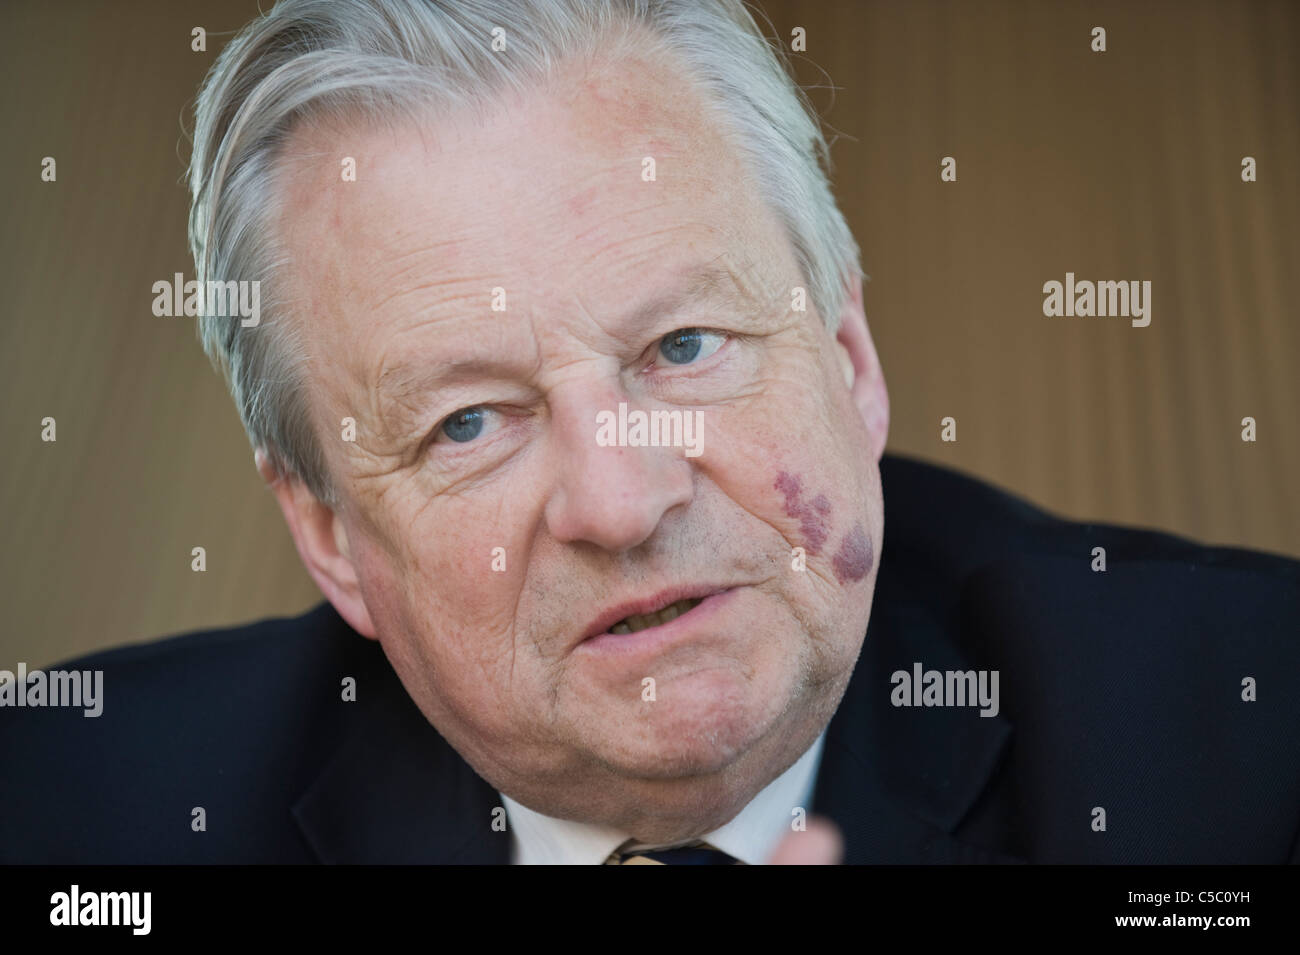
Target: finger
819, 844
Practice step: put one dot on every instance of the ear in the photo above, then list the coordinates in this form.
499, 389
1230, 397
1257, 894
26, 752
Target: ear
322, 543
861, 366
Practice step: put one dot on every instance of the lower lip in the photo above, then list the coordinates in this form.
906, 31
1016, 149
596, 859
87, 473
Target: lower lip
686, 626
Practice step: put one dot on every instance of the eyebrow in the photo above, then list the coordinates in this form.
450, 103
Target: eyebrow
704, 283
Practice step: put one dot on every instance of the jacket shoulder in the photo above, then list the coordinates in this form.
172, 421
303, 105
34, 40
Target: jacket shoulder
1152, 688
963, 523
232, 721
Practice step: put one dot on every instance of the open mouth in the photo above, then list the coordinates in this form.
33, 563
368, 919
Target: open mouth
659, 617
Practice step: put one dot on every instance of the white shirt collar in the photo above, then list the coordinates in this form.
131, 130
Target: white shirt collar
751, 837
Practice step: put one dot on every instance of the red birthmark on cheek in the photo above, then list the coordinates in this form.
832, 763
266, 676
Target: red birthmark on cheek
813, 516
854, 558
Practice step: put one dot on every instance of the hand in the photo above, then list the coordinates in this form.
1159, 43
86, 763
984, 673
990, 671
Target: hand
819, 844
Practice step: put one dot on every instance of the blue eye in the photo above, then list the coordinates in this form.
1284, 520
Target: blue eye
688, 344
464, 425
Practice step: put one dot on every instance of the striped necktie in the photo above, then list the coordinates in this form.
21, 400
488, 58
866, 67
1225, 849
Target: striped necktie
694, 853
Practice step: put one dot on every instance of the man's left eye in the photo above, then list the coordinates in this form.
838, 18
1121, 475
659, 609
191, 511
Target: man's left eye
690, 344
464, 425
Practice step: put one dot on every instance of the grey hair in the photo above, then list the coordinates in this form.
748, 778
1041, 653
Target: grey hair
306, 58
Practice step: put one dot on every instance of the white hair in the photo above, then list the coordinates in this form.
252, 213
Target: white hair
308, 58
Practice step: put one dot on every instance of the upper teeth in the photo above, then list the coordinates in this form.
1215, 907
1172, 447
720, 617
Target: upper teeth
640, 621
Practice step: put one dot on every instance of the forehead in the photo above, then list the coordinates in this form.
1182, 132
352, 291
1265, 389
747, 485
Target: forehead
610, 191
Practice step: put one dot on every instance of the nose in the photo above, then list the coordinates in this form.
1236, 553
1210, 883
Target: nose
610, 496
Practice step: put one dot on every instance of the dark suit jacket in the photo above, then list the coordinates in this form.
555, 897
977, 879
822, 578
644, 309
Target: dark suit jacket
1120, 690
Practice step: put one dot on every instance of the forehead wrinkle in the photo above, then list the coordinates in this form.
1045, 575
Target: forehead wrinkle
424, 259
459, 290
618, 217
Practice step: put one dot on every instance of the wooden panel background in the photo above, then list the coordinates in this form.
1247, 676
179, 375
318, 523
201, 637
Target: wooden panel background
1119, 165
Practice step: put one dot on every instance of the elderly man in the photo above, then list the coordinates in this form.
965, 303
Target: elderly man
563, 384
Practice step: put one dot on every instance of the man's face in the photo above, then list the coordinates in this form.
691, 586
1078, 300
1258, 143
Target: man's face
492, 535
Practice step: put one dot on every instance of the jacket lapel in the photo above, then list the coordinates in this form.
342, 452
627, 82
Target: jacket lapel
899, 780
395, 792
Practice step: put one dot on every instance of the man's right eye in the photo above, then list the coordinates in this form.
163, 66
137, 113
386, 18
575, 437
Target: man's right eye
464, 425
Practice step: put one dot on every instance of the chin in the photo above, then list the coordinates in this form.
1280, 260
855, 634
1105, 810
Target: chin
699, 725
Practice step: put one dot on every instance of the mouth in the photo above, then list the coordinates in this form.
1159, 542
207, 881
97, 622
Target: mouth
643, 621
659, 610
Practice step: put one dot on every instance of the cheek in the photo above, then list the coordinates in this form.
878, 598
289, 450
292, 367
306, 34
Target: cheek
818, 526
813, 513
855, 557
445, 621
437, 584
